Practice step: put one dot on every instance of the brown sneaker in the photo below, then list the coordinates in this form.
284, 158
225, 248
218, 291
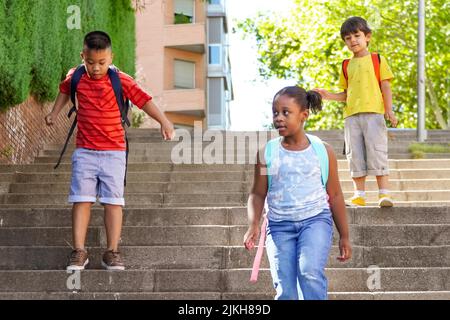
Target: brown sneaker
78, 260
112, 261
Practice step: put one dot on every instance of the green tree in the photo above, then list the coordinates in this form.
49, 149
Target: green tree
306, 45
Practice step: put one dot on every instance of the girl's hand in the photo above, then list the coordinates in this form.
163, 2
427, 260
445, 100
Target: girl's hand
345, 249
167, 130
251, 237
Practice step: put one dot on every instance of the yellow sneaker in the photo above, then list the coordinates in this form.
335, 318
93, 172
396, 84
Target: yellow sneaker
384, 200
356, 201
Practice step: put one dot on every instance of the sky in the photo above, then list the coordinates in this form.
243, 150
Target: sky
251, 108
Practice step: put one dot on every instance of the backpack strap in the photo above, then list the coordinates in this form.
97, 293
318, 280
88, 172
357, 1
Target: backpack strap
272, 149
76, 76
376, 60
123, 103
344, 69
124, 106
322, 154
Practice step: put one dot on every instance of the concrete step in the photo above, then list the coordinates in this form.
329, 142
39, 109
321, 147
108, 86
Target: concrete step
137, 148
395, 295
369, 204
148, 187
5, 181
232, 280
399, 235
389, 256
4, 187
229, 158
61, 217
405, 176
431, 164
410, 164
233, 157
215, 257
132, 167
111, 295
139, 177
212, 199
222, 186
141, 199
425, 156
393, 133
398, 184
6, 177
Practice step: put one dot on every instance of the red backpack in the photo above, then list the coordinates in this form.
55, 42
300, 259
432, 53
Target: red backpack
376, 60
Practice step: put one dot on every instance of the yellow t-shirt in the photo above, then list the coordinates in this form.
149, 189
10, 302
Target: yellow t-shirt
363, 90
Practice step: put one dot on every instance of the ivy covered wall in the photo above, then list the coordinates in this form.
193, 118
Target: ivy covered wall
40, 42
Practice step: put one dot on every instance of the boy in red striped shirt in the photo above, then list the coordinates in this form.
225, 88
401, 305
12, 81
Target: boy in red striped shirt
98, 163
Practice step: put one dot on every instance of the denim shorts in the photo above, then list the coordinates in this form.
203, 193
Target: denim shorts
97, 174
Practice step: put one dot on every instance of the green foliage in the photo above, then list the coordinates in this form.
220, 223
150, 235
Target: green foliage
37, 48
15, 75
417, 154
181, 18
137, 118
306, 45
429, 148
7, 152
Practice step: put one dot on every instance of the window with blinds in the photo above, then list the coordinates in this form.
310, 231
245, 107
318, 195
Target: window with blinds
183, 11
184, 74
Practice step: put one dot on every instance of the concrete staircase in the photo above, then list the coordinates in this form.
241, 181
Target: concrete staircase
184, 224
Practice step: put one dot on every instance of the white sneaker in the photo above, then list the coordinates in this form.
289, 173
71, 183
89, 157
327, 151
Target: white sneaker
384, 200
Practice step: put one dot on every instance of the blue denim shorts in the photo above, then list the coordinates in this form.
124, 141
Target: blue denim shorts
97, 174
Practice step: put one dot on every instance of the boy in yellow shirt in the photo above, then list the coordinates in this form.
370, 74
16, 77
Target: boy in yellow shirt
367, 100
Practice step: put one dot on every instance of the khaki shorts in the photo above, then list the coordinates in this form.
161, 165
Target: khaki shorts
366, 144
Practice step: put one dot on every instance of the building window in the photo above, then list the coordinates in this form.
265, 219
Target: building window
184, 74
215, 102
215, 54
183, 11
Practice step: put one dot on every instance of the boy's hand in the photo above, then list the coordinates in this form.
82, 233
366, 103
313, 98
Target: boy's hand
323, 93
389, 115
167, 130
49, 119
251, 237
345, 249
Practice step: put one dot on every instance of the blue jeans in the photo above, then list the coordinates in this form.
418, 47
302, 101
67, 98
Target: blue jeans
298, 253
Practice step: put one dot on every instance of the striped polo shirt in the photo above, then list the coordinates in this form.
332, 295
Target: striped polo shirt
99, 121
